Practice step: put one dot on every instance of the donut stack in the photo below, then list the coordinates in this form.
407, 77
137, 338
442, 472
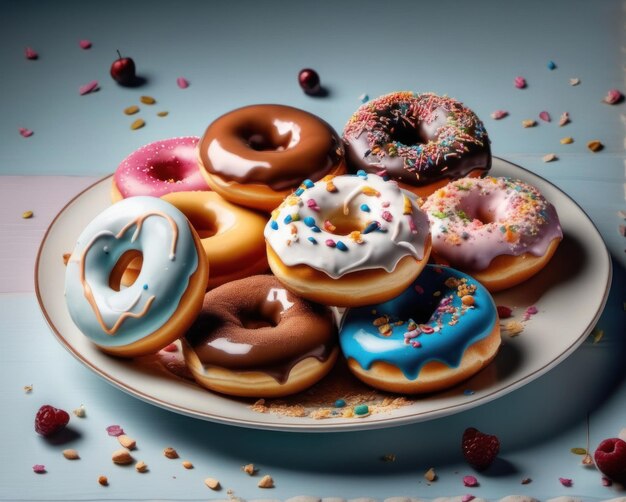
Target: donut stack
241, 244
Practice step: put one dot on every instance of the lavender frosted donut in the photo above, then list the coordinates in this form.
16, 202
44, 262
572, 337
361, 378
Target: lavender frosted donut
156, 169
499, 230
422, 141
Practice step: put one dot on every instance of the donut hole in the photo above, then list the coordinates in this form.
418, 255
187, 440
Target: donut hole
126, 269
203, 222
405, 133
280, 136
165, 171
344, 224
256, 319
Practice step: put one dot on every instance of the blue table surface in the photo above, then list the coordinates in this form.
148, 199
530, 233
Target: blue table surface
239, 53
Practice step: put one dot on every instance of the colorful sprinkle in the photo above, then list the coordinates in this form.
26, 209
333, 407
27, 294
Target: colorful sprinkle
309, 221
39, 469
369, 191
470, 481
88, 87
312, 240
574, 81
595, 145
566, 482
114, 430
330, 243
467, 497
137, 124
579, 451
529, 123
550, 157
371, 226
545, 116
567, 140
387, 216
364, 98
469, 392
274, 225
299, 192
362, 174
365, 207
26, 133
520, 82
356, 237
341, 246
499, 114
329, 227
613, 97
504, 312
312, 205
288, 219
145, 286
551, 65
308, 183
362, 410
564, 119
84, 44
30, 53
340, 403
181, 82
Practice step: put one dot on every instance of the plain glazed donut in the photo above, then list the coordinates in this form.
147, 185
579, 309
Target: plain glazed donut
257, 155
254, 338
442, 330
423, 141
167, 295
501, 231
231, 235
348, 240
169, 165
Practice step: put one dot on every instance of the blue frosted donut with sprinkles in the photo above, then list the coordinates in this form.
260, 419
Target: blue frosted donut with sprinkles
422, 141
348, 240
441, 330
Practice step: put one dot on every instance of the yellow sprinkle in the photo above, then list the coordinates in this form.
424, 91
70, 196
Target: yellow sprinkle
147, 100
367, 190
328, 177
163, 114
275, 214
330, 186
27, 214
137, 124
293, 229
595, 145
529, 123
566, 141
131, 110
408, 207
356, 237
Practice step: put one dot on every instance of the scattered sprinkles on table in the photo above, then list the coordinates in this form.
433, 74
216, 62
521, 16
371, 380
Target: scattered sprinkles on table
89, 87
520, 82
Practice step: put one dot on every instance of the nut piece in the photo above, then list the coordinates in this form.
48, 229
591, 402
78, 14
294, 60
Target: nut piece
266, 482
103, 480
187, 464
248, 469
141, 466
170, 452
213, 484
71, 454
80, 412
127, 442
430, 474
122, 457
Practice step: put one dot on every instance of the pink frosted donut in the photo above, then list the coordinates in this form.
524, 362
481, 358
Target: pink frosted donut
169, 165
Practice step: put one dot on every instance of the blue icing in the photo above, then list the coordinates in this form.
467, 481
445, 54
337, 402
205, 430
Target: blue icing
361, 340
167, 276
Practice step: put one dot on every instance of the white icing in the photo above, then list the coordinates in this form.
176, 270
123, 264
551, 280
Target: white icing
404, 235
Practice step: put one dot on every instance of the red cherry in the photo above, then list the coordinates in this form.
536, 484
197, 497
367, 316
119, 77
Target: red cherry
610, 458
309, 80
123, 70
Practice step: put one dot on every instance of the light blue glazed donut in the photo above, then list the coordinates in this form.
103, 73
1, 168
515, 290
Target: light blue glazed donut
428, 322
161, 233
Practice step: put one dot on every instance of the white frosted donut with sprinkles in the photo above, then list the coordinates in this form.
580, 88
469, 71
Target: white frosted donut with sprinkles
168, 292
499, 230
348, 240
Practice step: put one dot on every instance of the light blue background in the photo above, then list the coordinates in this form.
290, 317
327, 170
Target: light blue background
238, 53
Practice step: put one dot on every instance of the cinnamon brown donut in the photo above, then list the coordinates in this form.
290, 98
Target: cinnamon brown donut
257, 155
254, 338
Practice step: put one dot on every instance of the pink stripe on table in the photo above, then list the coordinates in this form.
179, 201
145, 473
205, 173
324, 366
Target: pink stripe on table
45, 196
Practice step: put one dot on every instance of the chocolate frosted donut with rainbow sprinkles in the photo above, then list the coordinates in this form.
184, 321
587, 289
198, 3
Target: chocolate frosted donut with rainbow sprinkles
422, 141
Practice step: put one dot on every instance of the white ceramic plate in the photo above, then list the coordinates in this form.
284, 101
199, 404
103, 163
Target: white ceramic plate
581, 263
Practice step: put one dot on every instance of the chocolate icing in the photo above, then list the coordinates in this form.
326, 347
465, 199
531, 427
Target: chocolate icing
417, 138
273, 145
256, 324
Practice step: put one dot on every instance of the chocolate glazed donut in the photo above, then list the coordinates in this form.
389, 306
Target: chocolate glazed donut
423, 141
257, 155
255, 338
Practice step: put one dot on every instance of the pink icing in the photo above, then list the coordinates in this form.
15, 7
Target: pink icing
165, 166
474, 220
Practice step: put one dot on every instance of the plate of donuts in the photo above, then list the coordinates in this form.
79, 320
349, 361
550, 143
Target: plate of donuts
539, 307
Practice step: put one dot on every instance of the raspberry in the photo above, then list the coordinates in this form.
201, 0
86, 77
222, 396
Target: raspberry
610, 457
50, 420
479, 449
